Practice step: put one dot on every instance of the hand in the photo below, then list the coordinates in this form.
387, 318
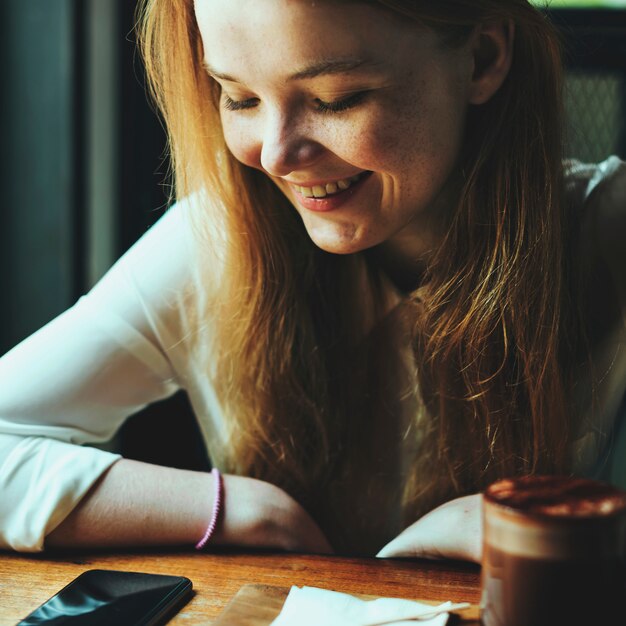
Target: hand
451, 531
259, 514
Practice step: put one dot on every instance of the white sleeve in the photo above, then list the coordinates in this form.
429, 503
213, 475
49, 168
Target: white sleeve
78, 378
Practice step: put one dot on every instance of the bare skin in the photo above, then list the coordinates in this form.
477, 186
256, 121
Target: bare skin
400, 120
452, 530
136, 504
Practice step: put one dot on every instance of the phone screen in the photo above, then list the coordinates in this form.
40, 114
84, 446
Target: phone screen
107, 597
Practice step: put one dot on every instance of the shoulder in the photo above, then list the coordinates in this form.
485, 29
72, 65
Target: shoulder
173, 253
163, 285
187, 231
599, 192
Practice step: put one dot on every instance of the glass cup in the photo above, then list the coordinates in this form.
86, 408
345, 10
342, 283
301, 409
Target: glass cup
553, 552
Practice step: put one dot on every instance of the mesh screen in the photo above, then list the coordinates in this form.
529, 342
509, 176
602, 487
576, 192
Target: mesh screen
595, 111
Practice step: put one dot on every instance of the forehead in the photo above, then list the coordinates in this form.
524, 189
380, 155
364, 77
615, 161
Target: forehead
254, 35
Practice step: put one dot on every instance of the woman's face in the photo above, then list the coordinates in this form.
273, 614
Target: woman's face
354, 112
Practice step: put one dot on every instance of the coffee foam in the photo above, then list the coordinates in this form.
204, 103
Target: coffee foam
555, 517
558, 496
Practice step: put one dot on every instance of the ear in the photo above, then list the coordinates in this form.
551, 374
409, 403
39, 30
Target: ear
492, 49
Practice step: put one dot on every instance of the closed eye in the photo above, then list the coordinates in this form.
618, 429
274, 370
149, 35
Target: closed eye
340, 105
239, 105
324, 107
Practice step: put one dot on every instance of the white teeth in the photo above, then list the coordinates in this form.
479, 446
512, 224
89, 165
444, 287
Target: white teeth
321, 191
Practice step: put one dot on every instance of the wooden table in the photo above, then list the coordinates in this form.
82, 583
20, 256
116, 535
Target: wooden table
26, 581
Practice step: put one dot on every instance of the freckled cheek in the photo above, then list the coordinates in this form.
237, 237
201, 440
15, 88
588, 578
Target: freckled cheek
243, 144
416, 144
384, 148
364, 145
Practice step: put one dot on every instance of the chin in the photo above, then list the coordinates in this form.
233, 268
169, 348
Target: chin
338, 249
341, 236
340, 245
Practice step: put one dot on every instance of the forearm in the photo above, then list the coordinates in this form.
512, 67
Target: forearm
136, 504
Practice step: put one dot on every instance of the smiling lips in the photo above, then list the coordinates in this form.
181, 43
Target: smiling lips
323, 191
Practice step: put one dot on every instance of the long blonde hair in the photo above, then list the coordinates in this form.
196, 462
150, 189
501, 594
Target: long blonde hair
494, 341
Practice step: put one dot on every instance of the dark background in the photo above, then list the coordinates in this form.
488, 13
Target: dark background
84, 170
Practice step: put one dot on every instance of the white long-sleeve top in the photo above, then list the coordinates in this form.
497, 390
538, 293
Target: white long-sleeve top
123, 346
77, 379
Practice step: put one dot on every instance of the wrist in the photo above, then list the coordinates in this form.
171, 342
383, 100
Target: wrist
216, 513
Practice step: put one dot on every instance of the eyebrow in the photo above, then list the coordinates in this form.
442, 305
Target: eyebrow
321, 68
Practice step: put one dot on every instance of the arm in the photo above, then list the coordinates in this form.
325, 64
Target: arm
76, 380
71, 383
450, 531
137, 504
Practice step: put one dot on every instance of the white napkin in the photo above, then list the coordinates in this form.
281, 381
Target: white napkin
309, 606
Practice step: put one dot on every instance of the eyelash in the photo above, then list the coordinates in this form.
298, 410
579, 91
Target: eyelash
340, 105
323, 107
238, 105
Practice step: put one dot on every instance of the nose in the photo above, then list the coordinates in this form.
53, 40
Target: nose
288, 145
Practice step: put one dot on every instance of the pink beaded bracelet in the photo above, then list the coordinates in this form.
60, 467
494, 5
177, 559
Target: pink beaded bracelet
217, 507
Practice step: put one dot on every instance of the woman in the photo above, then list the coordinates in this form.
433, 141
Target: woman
378, 288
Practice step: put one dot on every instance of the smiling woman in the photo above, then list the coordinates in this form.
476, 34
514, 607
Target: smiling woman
346, 103
380, 286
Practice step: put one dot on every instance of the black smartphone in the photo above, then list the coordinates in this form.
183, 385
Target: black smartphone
108, 597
